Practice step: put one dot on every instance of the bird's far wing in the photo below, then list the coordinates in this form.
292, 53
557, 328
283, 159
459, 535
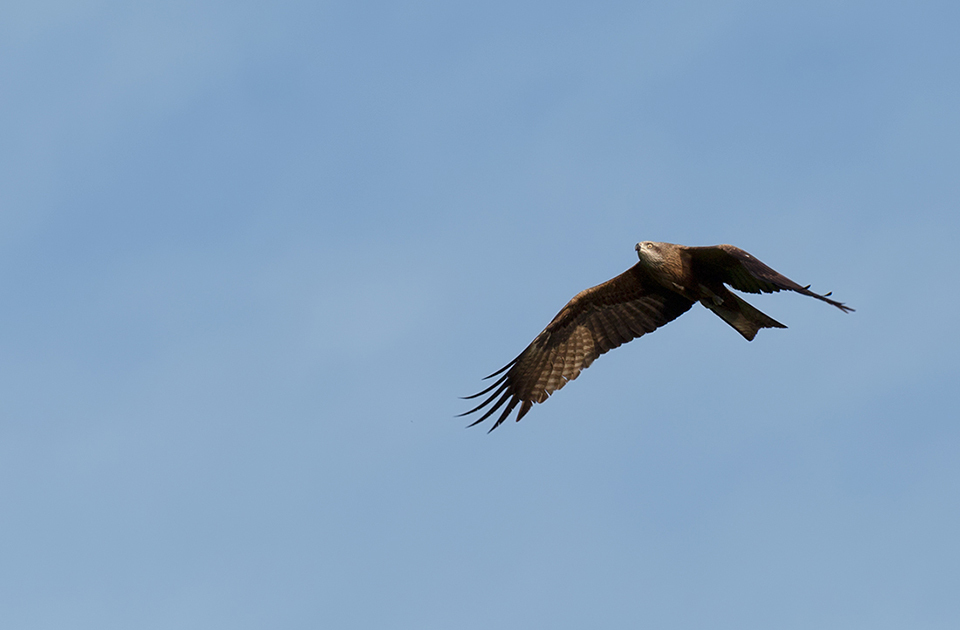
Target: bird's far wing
745, 272
594, 321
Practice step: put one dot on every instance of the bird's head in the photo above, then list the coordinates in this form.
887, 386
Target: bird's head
650, 252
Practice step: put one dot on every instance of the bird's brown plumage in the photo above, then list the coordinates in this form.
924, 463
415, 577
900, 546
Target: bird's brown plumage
662, 286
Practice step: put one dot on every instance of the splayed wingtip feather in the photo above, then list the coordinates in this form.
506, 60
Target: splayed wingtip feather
506, 412
492, 409
497, 382
485, 402
504, 368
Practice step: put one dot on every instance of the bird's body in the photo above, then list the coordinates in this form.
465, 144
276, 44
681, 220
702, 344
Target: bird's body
663, 285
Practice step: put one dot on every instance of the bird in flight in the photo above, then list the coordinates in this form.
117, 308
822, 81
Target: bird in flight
661, 287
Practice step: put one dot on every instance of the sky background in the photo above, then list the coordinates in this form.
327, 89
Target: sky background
252, 253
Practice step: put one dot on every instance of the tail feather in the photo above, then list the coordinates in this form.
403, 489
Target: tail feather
741, 315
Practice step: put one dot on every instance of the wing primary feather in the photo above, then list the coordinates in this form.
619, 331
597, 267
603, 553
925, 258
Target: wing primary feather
489, 412
506, 412
506, 367
495, 383
486, 402
524, 408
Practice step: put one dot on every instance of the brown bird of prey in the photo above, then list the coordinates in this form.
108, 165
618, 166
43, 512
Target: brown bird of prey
661, 287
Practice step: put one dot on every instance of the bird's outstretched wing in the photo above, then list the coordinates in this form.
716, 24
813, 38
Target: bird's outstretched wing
594, 321
745, 272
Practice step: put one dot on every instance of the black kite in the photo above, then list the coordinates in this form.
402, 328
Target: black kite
662, 286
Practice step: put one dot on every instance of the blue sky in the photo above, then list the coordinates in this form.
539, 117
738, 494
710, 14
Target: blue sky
252, 253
